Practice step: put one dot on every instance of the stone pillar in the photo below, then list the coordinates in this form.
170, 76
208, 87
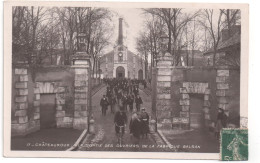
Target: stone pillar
80, 120
163, 99
222, 88
153, 98
206, 107
184, 102
20, 122
34, 123
61, 120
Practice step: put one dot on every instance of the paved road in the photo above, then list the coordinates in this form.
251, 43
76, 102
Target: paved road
105, 138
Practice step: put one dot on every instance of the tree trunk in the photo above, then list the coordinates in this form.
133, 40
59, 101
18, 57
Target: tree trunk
145, 66
192, 57
214, 55
170, 39
228, 23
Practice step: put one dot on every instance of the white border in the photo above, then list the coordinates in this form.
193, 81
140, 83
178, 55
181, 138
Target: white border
7, 77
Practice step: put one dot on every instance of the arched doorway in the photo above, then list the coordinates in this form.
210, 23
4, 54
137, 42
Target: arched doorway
140, 74
120, 72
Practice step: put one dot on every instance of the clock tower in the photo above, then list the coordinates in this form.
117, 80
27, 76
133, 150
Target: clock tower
120, 55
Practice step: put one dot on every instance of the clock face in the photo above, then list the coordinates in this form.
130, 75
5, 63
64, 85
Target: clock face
120, 54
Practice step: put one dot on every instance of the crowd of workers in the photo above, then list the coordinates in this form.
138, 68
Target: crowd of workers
123, 94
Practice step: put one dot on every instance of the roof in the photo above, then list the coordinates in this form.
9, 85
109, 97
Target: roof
112, 52
129, 52
232, 41
235, 39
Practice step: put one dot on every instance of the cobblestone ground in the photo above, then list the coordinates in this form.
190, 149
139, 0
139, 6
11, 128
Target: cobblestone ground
105, 139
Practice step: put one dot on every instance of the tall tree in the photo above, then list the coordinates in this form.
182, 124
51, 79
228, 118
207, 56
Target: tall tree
175, 21
26, 21
231, 18
214, 29
142, 46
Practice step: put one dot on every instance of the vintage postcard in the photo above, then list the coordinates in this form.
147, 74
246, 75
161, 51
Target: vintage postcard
125, 80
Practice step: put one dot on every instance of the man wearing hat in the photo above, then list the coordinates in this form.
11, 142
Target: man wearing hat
138, 102
104, 104
221, 122
145, 122
120, 120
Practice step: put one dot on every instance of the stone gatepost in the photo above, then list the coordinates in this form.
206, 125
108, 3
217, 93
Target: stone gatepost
222, 91
20, 122
163, 99
81, 94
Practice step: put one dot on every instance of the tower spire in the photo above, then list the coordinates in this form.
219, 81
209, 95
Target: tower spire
120, 32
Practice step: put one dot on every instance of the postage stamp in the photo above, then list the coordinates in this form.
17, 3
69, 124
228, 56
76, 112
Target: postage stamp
234, 145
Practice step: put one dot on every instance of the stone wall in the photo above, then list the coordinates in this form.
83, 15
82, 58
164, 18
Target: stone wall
228, 93
58, 81
214, 83
68, 83
191, 80
62, 121
80, 120
22, 122
194, 88
163, 99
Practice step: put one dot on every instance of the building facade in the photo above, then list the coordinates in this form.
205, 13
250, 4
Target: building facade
121, 62
228, 51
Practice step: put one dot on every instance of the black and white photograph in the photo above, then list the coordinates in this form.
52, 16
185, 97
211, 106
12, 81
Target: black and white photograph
123, 77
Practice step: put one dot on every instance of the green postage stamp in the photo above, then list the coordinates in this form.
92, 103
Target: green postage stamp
234, 144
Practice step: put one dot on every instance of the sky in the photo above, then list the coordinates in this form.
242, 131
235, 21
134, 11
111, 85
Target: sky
134, 23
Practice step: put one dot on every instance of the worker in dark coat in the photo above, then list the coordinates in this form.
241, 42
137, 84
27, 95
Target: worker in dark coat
119, 97
124, 102
112, 103
138, 102
135, 125
109, 91
135, 91
144, 83
130, 101
104, 104
221, 122
120, 119
145, 123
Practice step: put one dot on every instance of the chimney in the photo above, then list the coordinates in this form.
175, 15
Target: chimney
120, 32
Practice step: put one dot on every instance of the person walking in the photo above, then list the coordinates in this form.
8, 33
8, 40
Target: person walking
138, 102
119, 97
124, 102
145, 123
135, 91
221, 122
130, 100
145, 84
112, 103
135, 126
120, 121
109, 91
104, 104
